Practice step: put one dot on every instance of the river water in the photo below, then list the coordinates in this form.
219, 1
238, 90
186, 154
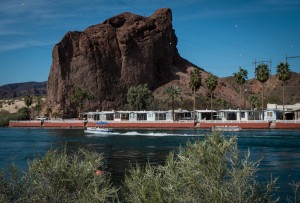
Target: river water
279, 149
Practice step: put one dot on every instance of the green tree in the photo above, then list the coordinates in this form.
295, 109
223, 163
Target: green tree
211, 83
172, 94
194, 84
28, 102
139, 97
48, 112
240, 78
79, 96
222, 103
255, 101
262, 74
38, 106
55, 115
283, 74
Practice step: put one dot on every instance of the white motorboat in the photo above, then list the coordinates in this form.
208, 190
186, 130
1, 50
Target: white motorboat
98, 130
226, 128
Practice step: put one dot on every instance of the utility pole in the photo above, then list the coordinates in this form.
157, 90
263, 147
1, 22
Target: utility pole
290, 57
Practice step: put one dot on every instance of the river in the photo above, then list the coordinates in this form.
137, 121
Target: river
279, 149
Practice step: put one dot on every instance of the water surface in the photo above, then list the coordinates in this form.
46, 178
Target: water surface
279, 149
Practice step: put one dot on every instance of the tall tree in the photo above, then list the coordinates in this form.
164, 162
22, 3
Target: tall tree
28, 102
49, 112
173, 93
139, 97
195, 83
262, 74
240, 78
254, 101
211, 83
283, 74
78, 98
38, 106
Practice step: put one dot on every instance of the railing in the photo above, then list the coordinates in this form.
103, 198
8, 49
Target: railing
287, 121
64, 121
145, 121
27, 121
233, 121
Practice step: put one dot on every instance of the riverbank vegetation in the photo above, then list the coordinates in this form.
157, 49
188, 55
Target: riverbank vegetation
209, 170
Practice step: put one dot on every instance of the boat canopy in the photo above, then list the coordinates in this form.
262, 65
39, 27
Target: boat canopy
102, 123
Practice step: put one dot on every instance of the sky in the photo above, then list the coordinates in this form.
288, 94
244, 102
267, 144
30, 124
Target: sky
218, 36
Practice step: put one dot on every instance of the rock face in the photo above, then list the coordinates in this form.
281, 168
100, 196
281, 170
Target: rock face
107, 58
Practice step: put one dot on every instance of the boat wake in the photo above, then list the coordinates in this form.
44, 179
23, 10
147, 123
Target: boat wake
134, 133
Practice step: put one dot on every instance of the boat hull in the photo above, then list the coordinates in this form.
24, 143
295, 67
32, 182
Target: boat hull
226, 128
98, 130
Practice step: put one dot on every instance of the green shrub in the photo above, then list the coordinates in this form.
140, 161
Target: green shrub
59, 177
5, 116
205, 171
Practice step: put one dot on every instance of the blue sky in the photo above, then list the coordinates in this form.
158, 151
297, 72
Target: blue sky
218, 36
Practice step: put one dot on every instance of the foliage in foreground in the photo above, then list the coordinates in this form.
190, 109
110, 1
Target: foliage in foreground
211, 170
206, 171
58, 177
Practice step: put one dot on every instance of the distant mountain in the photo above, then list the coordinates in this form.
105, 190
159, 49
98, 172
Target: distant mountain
22, 89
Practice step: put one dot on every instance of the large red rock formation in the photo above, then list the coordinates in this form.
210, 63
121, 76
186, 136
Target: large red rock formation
107, 58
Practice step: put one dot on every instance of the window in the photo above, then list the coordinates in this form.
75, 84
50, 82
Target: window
269, 114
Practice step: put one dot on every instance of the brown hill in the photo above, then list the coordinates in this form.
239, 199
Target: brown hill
15, 90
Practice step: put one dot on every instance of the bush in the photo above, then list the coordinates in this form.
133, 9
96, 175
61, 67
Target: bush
5, 116
205, 171
59, 177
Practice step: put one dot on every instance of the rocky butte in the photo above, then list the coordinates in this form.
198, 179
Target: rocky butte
123, 51
107, 58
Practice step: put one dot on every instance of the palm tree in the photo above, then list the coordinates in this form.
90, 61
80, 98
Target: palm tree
211, 83
173, 93
240, 78
195, 83
262, 74
79, 97
283, 74
254, 101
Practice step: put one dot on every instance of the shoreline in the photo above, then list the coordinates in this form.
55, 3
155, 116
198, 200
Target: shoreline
293, 124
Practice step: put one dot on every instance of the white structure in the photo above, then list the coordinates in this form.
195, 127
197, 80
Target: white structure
239, 115
204, 115
274, 112
138, 115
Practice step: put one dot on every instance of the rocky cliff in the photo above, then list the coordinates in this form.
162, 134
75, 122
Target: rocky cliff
107, 58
